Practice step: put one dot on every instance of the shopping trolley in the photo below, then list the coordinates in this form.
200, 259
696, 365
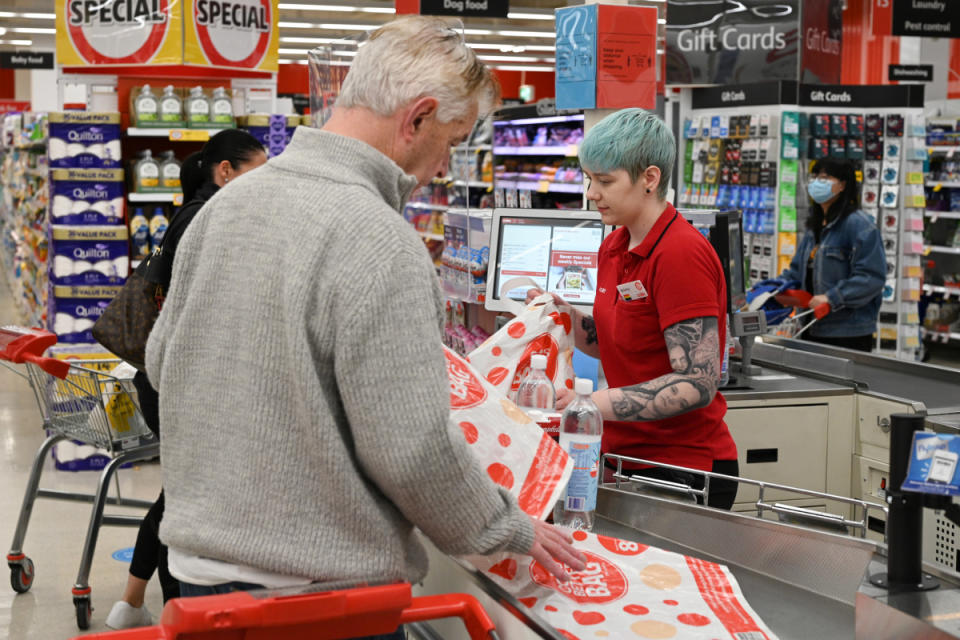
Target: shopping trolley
88, 406
314, 612
798, 322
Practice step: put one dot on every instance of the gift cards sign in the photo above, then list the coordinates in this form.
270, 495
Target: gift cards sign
238, 34
119, 32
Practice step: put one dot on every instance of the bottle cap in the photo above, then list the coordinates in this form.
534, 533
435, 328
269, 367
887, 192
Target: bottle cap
538, 362
583, 386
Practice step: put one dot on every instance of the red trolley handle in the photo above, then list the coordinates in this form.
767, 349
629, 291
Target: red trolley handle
57, 368
452, 605
801, 298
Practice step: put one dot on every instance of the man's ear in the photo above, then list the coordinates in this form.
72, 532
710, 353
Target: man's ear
416, 114
651, 178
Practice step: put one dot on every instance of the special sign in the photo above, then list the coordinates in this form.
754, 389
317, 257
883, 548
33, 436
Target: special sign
232, 33
118, 32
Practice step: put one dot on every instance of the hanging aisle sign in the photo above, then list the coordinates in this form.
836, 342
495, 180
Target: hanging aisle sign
119, 32
236, 34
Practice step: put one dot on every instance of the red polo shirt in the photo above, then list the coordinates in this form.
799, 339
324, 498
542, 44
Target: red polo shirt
683, 279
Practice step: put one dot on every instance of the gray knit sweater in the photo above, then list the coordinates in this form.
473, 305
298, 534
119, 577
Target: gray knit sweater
304, 399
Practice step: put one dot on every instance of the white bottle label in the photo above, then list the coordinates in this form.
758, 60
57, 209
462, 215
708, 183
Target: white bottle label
222, 107
147, 108
170, 109
581, 493
200, 107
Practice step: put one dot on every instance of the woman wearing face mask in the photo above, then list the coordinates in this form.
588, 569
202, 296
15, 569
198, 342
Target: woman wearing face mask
840, 259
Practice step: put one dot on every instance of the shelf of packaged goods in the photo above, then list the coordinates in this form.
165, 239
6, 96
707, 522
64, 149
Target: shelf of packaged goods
943, 184
426, 235
566, 150
473, 147
541, 186
428, 206
175, 135
948, 149
32, 146
36, 173
939, 289
953, 215
175, 198
473, 184
932, 248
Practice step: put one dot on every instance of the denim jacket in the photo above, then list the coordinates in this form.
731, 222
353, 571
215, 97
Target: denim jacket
850, 268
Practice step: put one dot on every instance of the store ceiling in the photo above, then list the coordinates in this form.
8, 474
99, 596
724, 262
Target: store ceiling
522, 42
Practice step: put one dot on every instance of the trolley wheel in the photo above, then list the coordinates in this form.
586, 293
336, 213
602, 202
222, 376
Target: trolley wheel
83, 612
21, 575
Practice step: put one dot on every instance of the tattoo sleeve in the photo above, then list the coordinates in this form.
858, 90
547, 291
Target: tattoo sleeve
589, 329
694, 350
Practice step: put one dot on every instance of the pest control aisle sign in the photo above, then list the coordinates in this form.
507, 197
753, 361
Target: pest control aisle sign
119, 32
238, 34
933, 464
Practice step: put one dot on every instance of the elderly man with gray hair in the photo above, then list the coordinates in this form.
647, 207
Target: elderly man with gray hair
304, 393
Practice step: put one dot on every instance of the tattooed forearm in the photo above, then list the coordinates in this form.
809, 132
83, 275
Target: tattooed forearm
589, 329
694, 349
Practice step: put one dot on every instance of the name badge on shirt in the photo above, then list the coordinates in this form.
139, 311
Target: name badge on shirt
630, 291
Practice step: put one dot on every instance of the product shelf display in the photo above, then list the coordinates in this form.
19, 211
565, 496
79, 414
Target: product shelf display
535, 158
760, 164
23, 212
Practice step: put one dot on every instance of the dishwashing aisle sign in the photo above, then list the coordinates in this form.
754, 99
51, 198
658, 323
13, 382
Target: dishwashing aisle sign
121, 32
237, 34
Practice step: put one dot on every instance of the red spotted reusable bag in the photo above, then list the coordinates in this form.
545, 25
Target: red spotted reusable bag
517, 454
630, 590
539, 328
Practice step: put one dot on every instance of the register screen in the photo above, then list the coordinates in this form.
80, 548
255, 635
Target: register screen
559, 254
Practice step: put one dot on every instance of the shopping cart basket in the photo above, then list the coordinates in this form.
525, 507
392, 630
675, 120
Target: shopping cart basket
84, 405
314, 612
797, 323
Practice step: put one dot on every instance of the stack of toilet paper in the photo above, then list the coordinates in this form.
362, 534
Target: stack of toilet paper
82, 140
94, 255
73, 310
86, 197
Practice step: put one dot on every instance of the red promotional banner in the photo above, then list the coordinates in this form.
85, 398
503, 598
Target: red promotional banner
882, 17
9, 106
570, 258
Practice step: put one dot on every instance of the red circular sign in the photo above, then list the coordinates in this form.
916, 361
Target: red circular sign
601, 582
466, 390
213, 54
143, 54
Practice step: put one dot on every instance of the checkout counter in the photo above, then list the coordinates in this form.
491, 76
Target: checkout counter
806, 533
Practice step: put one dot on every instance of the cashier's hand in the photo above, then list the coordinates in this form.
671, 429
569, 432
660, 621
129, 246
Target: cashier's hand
816, 301
533, 293
553, 549
564, 397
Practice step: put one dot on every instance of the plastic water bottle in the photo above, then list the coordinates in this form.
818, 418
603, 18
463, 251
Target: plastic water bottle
581, 430
536, 390
725, 367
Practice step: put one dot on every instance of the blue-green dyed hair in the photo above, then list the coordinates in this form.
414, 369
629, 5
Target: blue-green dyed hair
633, 140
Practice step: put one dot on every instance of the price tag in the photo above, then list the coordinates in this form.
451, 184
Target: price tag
189, 135
543, 186
178, 199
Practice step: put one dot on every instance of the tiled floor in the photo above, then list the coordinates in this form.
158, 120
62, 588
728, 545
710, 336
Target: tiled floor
57, 529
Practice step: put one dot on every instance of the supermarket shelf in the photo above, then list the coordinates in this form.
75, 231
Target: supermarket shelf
431, 236
566, 150
933, 248
40, 173
942, 336
940, 289
552, 187
176, 135
929, 213
946, 184
473, 147
478, 184
154, 197
943, 149
428, 206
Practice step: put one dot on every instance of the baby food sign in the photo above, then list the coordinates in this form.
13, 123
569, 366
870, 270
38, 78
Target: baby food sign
239, 34
119, 32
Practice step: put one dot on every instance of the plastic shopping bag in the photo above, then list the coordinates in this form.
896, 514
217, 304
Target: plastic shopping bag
514, 450
630, 586
539, 328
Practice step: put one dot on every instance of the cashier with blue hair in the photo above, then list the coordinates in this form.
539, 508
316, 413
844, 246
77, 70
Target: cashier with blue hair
840, 259
659, 314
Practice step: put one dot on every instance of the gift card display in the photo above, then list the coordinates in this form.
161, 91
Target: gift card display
870, 195
892, 148
871, 172
889, 195
894, 125
873, 123
891, 172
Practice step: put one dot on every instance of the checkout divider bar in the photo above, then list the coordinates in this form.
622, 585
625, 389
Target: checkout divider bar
836, 521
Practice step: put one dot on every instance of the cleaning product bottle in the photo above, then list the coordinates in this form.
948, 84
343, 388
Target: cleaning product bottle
145, 106
146, 173
171, 107
198, 108
169, 172
581, 430
536, 390
158, 227
140, 233
222, 111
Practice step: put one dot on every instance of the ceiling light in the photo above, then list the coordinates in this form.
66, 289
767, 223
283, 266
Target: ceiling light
347, 27
282, 61
477, 32
22, 43
32, 30
314, 7
2, 31
292, 52
312, 40
7, 14
527, 34
509, 58
295, 25
39, 16
661, 21
530, 16
378, 10
520, 67
348, 54
508, 48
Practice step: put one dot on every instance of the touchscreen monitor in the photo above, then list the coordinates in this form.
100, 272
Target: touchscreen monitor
557, 250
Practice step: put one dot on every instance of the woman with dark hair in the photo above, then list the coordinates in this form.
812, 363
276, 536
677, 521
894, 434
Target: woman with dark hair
840, 259
225, 156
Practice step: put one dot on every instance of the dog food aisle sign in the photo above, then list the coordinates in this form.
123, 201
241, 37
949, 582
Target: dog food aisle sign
237, 34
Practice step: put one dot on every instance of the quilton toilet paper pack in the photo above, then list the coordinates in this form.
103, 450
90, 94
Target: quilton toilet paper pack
89, 255
81, 140
86, 196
